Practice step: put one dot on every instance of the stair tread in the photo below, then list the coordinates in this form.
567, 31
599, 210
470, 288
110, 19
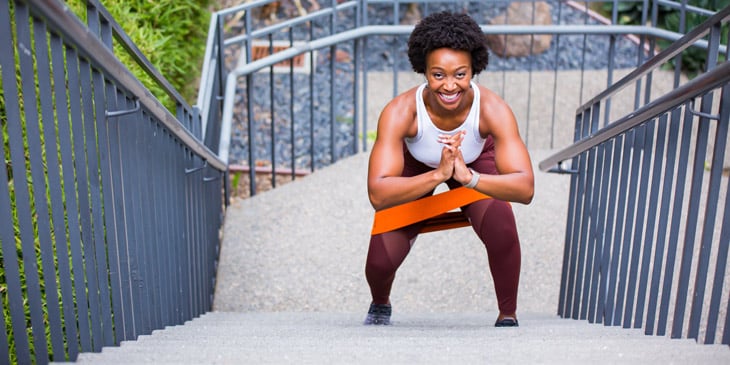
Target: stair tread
311, 337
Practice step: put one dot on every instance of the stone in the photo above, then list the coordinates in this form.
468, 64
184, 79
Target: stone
521, 13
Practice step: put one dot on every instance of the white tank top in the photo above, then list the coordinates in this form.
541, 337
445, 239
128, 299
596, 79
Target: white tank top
425, 146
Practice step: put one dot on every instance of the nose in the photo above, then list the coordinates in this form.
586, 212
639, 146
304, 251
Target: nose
450, 84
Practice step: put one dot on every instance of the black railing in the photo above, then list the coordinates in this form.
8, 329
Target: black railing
649, 215
110, 206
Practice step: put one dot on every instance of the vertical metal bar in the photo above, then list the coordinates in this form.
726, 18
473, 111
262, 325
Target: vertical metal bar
629, 171
292, 101
312, 96
147, 159
191, 241
126, 214
84, 151
674, 226
72, 209
394, 48
116, 243
100, 250
250, 129
597, 227
583, 59
103, 251
57, 200
596, 218
667, 193
586, 244
355, 91
249, 107
365, 121
615, 229
529, 77
272, 112
22, 184
718, 158
692, 217
644, 145
164, 149
724, 239
43, 211
631, 248
133, 203
187, 293
586, 248
555, 78
575, 234
609, 77
333, 114
563, 299
154, 223
10, 263
613, 150
651, 223
179, 242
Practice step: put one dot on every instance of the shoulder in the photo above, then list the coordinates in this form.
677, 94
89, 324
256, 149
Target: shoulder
495, 112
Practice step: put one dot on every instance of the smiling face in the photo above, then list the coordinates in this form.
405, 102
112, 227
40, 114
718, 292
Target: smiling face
449, 73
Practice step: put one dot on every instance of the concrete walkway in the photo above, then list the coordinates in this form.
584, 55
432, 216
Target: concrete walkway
302, 247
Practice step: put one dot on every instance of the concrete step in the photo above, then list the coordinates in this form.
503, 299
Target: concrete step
318, 337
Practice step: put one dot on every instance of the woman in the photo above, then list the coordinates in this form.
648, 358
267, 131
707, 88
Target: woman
450, 130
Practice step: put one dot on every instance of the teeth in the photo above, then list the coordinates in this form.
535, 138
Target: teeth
449, 97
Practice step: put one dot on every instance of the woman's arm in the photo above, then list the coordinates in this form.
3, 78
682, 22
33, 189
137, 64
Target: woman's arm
516, 180
386, 186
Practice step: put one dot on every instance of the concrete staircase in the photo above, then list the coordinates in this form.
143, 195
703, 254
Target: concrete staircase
291, 289
433, 338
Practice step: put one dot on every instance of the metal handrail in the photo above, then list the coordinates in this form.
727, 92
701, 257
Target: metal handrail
676, 97
697, 86
372, 30
63, 19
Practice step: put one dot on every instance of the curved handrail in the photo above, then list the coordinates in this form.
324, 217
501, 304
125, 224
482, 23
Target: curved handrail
371, 30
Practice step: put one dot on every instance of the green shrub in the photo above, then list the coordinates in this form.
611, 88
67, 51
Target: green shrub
694, 59
172, 35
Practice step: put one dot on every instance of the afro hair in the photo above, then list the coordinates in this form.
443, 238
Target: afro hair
447, 30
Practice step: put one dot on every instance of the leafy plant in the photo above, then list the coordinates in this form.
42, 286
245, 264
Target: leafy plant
694, 59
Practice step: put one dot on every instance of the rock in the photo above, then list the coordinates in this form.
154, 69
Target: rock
521, 13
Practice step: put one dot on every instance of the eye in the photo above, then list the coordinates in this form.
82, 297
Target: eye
461, 75
438, 75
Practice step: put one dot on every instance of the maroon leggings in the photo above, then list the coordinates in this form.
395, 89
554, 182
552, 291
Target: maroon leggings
491, 219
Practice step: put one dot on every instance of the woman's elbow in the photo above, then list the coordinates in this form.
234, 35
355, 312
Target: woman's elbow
375, 201
528, 193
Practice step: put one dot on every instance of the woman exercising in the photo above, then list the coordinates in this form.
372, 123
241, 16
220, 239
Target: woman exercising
448, 129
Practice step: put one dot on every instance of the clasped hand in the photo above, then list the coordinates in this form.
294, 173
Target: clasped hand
452, 161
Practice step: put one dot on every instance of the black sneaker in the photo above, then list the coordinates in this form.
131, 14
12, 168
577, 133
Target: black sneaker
378, 314
507, 322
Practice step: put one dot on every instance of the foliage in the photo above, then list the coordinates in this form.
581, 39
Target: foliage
170, 33
693, 59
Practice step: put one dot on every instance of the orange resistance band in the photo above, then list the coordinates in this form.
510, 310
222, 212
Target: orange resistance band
434, 209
